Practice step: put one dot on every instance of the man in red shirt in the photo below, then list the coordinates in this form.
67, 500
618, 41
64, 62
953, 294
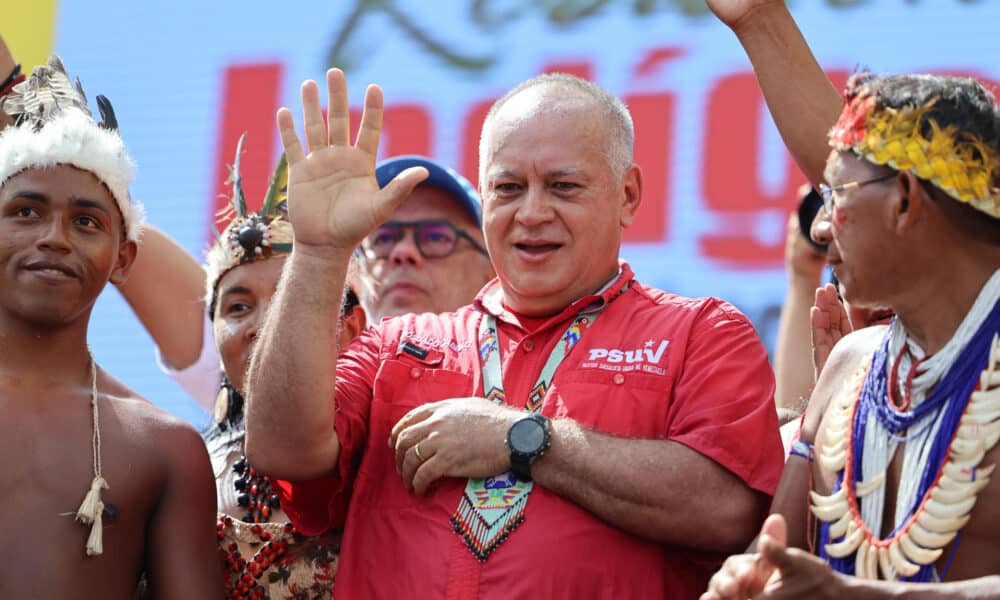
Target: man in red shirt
573, 433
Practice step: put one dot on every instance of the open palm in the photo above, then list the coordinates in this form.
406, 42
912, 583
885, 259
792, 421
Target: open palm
334, 200
829, 322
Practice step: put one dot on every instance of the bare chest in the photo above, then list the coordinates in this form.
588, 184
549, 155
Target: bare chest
48, 467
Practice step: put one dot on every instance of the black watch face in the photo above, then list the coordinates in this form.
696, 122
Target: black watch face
527, 436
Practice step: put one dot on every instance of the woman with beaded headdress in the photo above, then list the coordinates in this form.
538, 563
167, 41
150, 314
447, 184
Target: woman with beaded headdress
72, 432
261, 551
890, 480
172, 296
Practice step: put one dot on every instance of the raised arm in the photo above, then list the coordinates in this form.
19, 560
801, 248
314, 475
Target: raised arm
334, 201
801, 98
167, 292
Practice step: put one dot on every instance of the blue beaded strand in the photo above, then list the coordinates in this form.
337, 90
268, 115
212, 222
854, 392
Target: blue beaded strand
951, 395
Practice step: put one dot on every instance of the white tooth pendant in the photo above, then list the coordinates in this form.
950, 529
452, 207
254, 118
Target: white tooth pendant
930, 539
939, 525
866, 561
829, 508
833, 459
885, 565
849, 544
839, 527
863, 488
913, 552
951, 509
899, 562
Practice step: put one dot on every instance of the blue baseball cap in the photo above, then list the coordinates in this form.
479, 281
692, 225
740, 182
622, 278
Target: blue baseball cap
441, 177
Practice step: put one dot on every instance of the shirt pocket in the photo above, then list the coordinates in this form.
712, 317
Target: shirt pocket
401, 386
628, 404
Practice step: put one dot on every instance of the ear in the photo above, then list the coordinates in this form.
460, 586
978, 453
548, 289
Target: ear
123, 264
632, 190
909, 202
354, 323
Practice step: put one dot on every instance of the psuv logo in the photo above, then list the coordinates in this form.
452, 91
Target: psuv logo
647, 358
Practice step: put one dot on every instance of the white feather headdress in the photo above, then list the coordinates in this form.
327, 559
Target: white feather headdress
54, 126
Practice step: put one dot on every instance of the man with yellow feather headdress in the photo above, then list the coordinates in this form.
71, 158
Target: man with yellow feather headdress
890, 482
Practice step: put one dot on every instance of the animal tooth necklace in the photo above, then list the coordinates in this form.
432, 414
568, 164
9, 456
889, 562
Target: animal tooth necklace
949, 419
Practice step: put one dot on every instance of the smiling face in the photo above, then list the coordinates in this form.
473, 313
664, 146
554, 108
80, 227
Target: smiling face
553, 205
407, 282
244, 294
61, 242
860, 232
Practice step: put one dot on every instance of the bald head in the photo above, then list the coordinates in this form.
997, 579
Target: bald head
559, 92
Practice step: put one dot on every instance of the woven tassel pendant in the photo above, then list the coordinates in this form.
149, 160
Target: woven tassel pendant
90, 512
95, 541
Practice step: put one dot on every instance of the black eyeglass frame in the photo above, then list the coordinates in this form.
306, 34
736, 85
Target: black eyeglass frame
417, 226
826, 191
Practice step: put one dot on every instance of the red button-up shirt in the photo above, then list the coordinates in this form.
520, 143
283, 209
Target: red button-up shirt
653, 365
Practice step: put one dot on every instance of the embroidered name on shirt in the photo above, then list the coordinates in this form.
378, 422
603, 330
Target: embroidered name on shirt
436, 343
616, 359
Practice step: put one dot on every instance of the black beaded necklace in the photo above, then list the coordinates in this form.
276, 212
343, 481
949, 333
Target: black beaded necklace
254, 493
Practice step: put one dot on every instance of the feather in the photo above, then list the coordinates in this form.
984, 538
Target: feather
277, 191
108, 119
47, 92
238, 201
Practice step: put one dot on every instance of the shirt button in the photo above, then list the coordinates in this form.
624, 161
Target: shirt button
415, 373
529, 345
619, 378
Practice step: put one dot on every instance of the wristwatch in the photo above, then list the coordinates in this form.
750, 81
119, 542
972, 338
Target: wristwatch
527, 439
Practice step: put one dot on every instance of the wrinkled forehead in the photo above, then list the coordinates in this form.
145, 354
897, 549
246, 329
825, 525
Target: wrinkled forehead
546, 136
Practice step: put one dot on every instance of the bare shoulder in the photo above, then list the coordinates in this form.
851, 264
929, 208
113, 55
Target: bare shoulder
850, 354
852, 349
152, 429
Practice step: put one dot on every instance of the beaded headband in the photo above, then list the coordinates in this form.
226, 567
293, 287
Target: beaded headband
53, 126
249, 236
956, 162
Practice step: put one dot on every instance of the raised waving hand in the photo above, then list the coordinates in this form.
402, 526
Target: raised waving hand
334, 199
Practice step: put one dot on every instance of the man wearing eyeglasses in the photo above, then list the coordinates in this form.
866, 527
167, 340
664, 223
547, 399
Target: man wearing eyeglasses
890, 490
429, 256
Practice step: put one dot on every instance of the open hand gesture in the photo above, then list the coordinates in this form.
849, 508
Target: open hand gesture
830, 322
333, 198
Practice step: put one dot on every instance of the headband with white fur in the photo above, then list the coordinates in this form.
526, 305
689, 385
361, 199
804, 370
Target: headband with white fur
54, 126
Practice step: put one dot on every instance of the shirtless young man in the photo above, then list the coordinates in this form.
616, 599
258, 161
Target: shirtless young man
897, 495
67, 228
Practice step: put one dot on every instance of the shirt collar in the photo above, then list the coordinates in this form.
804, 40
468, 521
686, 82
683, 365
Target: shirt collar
490, 298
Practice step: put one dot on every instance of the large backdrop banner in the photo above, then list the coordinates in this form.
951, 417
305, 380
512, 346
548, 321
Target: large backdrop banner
188, 77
